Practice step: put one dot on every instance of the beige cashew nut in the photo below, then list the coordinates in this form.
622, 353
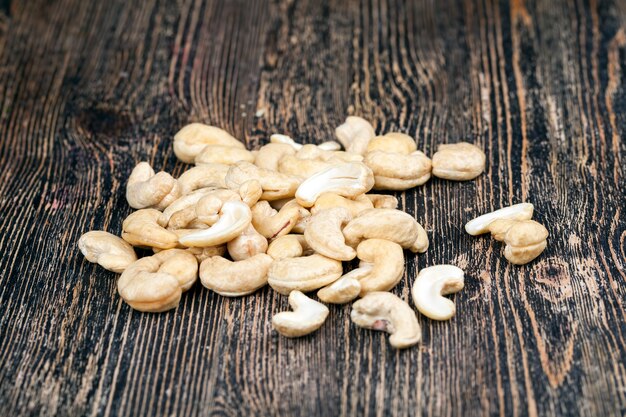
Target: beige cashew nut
346, 288
275, 185
146, 189
220, 154
141, 229
383, 201
305, 273
269, 155
387, 261
396, 171
431, 285
289, 246
191, 140
307, 316
107, 250
271, 223
323, 234
458, 162
208, 175
235, 279
480, 225
247, 244
355, 206
355, 134
524, 239
234, 218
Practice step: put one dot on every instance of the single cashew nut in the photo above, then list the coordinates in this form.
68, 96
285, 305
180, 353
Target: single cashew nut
480, 225
246, 245
346, 288
355, 134
234, 218
220, 154
323, 234
459, 162
107, 250
208, 175
307, 316
393, 142
289, 246
387, 261
305, 273
191, 140
269, 155
524, 240
383, 201
431, 285
141, 229
235, 279
385, 311
271, 223
147, 189
275, 185
354, 206
396, 171
389, 224
348, 180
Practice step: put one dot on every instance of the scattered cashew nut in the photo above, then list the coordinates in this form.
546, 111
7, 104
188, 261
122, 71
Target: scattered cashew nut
235, 279
271, 223
107, 250
348, 180
346, 288
355, 134
307, 316
387, 261
323, 234
304, 273
524, 239
431, 285
480, 225
141, 229
147, 189
459, 161
191, 140
234, 218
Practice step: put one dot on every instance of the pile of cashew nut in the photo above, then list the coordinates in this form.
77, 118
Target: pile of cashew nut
289, 215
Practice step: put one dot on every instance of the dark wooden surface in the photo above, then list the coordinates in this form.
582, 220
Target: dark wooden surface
89, 88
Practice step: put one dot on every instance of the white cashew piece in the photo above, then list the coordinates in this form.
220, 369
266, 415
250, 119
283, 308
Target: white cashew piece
305, 273
280, 138
346, 288
323, 234
348, 180
385, 311
480, 225
307, 316
147, 189
387, 261
107, 250
431, 285
355, 134
247, 244
193, 138
235, 279
235, 217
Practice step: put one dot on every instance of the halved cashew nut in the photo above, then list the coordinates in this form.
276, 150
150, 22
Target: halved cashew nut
271, 223
459, 161
387, 261
480, 225
209, 175
431, 285
346, 288
396, 171
385, 311
323, 234
234, 218
305, 273
147, 189
355, 134
220, 154
355, 206
269, 155
141, 229
275, 185
155, 283
389, 224
348, 180
307, 316
247, 244
524, 239
289, 246
107, 250
191, 140
235, 279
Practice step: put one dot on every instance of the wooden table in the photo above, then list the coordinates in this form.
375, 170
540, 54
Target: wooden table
90, 88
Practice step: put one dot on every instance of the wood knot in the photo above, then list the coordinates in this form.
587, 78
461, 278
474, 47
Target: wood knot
104, 122
553, 278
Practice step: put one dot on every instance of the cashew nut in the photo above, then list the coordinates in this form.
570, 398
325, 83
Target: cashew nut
305, 273
193, 138
347, 180
220, 154
246, 245
182, 203
307, 316
250, 192
323, 234
107, 250
396, 171
346, 288
524, 239
147, 189
269, 155
355, 134
209, 175
279, 138
234, 218
234, 279
459, 162
330, 145
294, 166
155, 283
383, 201
431, 285
271, 223
393, 142
275, 185
289, 246
141, 229
354, 206
480, 225
385, 311
393, 225
387, 261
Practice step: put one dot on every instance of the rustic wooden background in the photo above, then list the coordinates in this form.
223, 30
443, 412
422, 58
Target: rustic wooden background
89, 88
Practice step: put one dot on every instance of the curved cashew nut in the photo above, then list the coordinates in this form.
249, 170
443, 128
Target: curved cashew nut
431, 285
459, 162
220, 154
385, 311
250, 192
235, 279
147, 189
480, 225
289, 246
193, 138
269, 155
389, 224
346, 288
387, 261
330, 200
234, 218
307, 316
284, 139
107, 250
271, 223
348, 180
305, 273
246, 245
393, 142
383, 201
396, 171
205, 211
355, 134
155, 283
141, 229
524, 239
275, 185
182, 203
209, 175
323, 234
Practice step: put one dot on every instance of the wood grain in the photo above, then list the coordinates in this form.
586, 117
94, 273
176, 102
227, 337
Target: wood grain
87, 89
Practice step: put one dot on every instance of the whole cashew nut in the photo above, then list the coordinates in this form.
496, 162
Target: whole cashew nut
459, 162
355, 134
355, 206
524, 239
271, 223
323, 234
431, 285
307, 316
305, 273
141, 229
107, 250
208, 175
269, 155
220, 154
235, 279
387, 261
147, 189
480, 225
289, 246
234, 218
346, 288
275, 185
247, 244
191, 140
385, 311
393, 142
396, 171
